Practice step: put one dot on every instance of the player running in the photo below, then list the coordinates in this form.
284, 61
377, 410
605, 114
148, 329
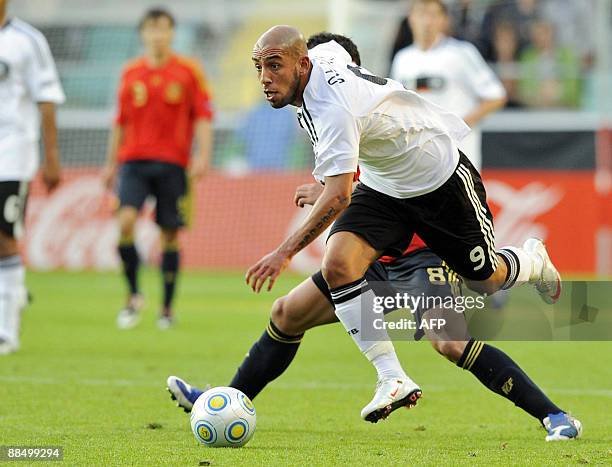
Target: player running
413, 180
310, 304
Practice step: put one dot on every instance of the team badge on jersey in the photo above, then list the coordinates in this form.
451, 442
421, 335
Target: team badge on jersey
139, 94
174, 92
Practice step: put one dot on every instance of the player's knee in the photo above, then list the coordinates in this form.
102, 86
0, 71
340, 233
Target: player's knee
452, 350
278, 311
283, 319
337, 272
8, 245
169, 238
127, 221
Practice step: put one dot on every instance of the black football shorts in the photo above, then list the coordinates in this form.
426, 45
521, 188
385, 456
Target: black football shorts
453, 220
13, 200
167, 183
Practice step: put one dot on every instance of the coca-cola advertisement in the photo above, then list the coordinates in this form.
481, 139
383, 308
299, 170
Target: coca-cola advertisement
236, 219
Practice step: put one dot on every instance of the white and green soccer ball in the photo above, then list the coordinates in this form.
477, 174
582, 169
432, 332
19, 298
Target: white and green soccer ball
222, 417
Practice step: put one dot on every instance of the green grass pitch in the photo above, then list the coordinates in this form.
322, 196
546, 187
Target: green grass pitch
80, 383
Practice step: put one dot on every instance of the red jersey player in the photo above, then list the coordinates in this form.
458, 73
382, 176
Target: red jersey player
163, 102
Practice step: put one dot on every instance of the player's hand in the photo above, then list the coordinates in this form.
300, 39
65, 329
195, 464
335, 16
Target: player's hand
108, 176
51, 173
267, 268
199, 167
307, 194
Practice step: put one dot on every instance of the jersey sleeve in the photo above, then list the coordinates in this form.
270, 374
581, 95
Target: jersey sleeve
202, 104
479, 77
122, 90
337, 144
41, 74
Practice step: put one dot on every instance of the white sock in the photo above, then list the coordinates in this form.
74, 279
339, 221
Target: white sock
378, 348
523, 267
12, 298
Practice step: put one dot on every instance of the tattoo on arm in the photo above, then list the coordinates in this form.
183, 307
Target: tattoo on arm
312, 233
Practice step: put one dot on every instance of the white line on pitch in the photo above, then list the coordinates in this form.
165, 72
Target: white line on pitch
312, 385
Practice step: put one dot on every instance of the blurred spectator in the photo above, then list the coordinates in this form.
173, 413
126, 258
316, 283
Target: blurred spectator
448, 72
403, 38
466, 20
268, 137
505, 53
550, 73
573, 21
518, 13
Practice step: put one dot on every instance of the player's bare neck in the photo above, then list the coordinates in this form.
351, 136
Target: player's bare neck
427, 43
3, 19
158, 59
300, 94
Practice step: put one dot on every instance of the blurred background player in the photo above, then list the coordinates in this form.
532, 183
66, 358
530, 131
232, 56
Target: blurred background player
448, 72
163, 100
29, 91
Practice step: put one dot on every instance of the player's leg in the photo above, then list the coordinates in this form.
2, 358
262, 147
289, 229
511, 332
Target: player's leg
459, 229
424, 274
133, 190
347, 257
170, 263
306, 306
171, 191
13, 294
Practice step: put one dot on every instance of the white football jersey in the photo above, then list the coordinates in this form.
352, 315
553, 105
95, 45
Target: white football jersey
453, 75
27, 76
404, 145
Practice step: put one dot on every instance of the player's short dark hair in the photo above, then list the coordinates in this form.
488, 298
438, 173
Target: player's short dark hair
345, 42
154, 14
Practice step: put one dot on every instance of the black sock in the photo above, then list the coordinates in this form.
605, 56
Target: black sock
513, 266
502, 375
131, 261
267, 360
169, 269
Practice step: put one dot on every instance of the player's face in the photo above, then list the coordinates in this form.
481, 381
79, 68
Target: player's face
279, 75
427, 20
157, 34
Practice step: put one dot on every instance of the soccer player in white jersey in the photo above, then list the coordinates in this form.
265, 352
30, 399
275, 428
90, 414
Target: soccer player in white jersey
418, 272
413, 180
448, 72
29, 91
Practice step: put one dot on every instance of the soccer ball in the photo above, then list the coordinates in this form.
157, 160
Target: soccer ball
223, 416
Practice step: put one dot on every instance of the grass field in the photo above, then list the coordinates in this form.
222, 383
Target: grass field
80, 383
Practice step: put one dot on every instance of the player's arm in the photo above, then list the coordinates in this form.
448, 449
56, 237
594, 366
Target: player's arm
110, 169
46, 90
307, 194
335, 197
336, 163
484, 108
203, 110
479, 77
51, 170
116, 133
200, 160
